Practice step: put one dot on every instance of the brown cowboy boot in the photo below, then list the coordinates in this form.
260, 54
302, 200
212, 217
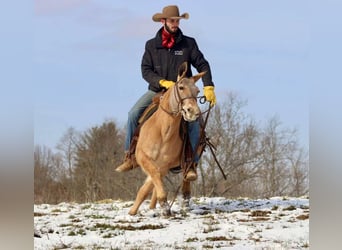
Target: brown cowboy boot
191, 175
127, 165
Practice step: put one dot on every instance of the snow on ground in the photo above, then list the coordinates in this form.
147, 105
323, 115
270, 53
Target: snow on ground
209, 223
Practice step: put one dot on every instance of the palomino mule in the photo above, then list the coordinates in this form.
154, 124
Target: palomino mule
159, 146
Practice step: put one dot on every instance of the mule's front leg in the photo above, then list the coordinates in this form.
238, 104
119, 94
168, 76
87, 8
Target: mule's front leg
145, 189
164, 204
160, 194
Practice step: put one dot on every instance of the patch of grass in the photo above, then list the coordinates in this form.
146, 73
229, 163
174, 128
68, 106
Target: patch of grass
261, 218
97, 216
210, 228
105, 201
87, 206
79, 247
56, 210
219, 238
292, 220
219, 211
305, 245
290, 208
72, 233
303, 217
112, 234
246, 210
36, 214
191, 239
129, 227
207, 246
260, 213
65, 225
79, 232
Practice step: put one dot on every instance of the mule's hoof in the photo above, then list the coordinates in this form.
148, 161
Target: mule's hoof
191, 175
186, 204
166, 210
132, 212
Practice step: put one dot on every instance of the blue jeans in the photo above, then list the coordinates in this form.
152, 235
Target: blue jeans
137, 110
194, 136
135, 113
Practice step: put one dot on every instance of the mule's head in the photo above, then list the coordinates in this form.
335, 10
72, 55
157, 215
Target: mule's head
187, 94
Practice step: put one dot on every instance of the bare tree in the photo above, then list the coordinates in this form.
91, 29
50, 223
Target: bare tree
48, 170
258, 162
99, 151
67, 148
238, 151
285, 164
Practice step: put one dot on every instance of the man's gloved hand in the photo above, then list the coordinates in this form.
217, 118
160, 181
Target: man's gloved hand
166, 84
210, 95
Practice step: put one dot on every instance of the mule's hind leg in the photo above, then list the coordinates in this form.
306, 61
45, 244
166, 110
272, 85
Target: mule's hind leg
186, 191
153, 199
145, 189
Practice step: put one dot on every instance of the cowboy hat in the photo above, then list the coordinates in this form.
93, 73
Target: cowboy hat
170, 11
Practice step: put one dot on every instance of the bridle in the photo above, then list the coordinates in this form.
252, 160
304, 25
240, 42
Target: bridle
178, 99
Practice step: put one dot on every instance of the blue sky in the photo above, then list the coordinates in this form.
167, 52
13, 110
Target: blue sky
87, 57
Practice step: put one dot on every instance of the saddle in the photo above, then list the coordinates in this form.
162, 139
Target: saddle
187, 157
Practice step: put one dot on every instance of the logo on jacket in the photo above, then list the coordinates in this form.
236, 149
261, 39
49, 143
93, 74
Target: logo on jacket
178, 52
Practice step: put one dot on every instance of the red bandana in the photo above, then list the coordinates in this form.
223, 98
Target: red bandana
168, 40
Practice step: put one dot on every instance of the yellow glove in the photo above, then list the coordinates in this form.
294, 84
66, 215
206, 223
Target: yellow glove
210, 95
166, 84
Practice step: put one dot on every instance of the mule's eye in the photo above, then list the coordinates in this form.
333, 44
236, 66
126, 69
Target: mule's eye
181, 87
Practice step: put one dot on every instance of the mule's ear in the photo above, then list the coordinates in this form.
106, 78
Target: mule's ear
198, 76
182, 70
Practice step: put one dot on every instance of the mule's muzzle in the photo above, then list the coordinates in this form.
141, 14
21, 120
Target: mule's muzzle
190, 114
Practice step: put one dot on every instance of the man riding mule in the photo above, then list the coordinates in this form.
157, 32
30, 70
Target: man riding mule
159, 146
161, 60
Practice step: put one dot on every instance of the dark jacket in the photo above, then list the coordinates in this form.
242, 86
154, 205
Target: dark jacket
159, 62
